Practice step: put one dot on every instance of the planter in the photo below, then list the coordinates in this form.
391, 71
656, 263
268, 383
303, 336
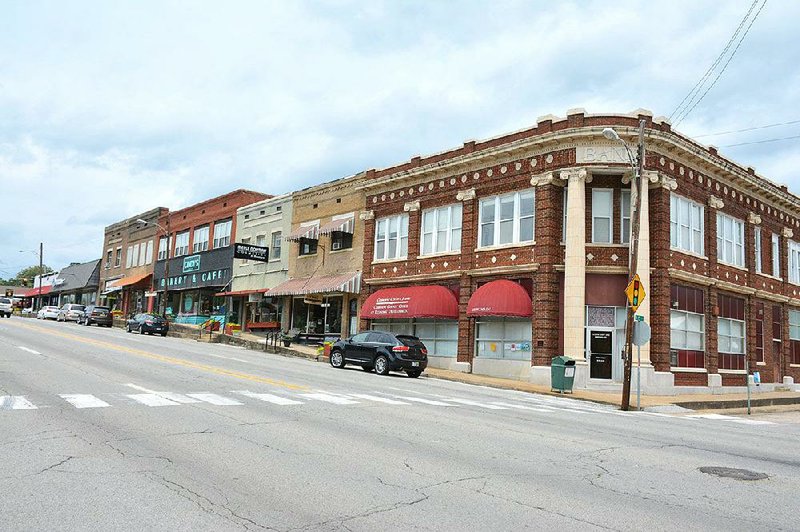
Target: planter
287, 343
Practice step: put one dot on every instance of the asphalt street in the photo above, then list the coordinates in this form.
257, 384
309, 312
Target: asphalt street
103, 430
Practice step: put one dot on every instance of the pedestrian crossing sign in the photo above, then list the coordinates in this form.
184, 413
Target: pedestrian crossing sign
635, 292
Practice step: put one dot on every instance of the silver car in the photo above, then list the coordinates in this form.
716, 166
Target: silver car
70, 312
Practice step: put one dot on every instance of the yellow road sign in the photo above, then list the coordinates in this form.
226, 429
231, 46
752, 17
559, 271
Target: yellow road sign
635, 292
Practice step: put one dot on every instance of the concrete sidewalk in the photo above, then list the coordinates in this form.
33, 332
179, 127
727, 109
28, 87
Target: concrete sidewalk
693, 402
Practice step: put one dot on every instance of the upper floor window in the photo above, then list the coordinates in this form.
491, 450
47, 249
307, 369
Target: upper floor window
441, 230
794, 262
686, 225
181, 244
308, 246
148, 256
625, 217
341, 240
108, 258
245, 241
129, 257
164, 244
142, 254
135, 255
391, 237
275, 252
776, 255
507, 219
261, 240
200, 239
222, 233
757, 242
118, 258
602, 207
730, 240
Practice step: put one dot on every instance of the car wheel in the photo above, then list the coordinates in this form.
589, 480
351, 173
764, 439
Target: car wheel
337, 359
382, 365
128, 328
164, 335
368, 369
413, 373
141, 330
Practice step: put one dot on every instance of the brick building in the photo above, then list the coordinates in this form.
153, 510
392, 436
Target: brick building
504, 253
128, 259
199, 247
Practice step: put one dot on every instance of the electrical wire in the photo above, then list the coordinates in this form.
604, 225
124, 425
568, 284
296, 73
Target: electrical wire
791, 122
760, 141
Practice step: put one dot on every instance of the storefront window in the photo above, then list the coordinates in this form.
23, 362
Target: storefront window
504, 338
318, 319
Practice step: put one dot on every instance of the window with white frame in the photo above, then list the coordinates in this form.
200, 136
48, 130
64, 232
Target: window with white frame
687, 330
135, 256
686, 225
625, 217
776, 255
261, 240
757, 250
222, 233
109, 253
730, 240
118, 258
794, 262
129, 257
275, 252
148, 257
391, 237
441, 230
507, 219
181, 244
245, 241
602, 209
730, 336
794, 324
142, 253
200, 239
164, 244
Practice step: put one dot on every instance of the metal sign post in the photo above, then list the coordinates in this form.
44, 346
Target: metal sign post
641, 335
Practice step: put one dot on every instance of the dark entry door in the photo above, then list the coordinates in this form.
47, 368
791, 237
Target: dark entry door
600, 354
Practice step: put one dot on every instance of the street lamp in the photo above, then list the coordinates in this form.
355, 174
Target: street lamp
163, 304
41, 270
637, 165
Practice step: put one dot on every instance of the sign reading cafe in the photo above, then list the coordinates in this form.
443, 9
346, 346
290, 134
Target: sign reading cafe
188, 280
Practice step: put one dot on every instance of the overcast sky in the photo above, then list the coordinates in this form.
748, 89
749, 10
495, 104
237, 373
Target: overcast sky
108, 109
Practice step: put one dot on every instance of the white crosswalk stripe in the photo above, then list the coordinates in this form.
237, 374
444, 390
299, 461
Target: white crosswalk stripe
269, 398
377, 399
423, 401
521, 407
84, 401
476, 403
215, 399
178, 398
328, 398
15, 402
152, 399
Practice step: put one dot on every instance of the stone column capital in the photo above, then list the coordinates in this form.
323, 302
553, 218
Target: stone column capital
667, 182
754, 218
652, 176
715, 202
465, 195
547, 178
575, 174
366, 215
787, 232
411, 206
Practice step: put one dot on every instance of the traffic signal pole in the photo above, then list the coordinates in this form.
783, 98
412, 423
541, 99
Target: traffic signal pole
636, 185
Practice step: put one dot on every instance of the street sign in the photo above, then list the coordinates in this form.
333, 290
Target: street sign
641, 333
635, 292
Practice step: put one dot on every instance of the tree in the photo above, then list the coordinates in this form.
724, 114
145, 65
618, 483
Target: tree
26, 275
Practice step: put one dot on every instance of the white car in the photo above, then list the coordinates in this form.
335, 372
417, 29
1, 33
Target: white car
6, 307
47, 313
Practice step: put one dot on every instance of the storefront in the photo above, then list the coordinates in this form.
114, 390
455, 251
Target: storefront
427, 312
253, 311
502, 310
132, 295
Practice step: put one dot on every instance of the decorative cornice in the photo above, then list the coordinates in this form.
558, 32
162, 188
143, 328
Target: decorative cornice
575, 174
465, 195
547, 178
366, 215
411, 206
664, 181
715, 202
754, 218
787, 232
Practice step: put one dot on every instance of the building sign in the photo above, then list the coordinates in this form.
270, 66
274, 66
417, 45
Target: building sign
313, 299
609, 153
191, 280
392, 306
191, 264
250, 252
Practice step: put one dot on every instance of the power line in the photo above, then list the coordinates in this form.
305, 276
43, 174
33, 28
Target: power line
708, 72
791, 122
761, 141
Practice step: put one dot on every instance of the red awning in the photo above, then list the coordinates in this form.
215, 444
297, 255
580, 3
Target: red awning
128, 281
235, 293
34, 292
411, 302
346, 282
500, 298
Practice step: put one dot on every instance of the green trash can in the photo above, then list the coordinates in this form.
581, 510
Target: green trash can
562, 374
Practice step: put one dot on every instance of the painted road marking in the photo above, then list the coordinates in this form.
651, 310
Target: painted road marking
377, 399
215, 399
327, 398
520, 407
15, 402
29, 350
84, 401
269, 398
721, 417
476, 403
152, 399
423, 401
178, 398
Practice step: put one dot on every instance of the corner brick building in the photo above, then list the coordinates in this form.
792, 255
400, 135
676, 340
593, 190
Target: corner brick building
504, 253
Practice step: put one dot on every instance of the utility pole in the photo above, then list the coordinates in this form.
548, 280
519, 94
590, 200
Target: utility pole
636, 185
41, 272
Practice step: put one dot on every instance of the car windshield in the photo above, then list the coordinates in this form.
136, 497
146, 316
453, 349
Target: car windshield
77, 307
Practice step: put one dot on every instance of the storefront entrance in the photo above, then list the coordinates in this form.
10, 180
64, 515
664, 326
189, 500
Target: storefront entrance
601, 353
325, 318
605, 335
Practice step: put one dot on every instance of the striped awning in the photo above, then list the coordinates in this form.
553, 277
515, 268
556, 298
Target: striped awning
304, 231
345, 225
349, 283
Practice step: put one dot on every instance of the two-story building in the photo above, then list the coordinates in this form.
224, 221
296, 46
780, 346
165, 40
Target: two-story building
126, 269
504, 253
195, 256
264, 224
324, 251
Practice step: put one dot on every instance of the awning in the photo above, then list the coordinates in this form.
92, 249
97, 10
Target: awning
235, 293
34, 292
431, 301
500, 298
345, 225
128, 281
308, 231
111, 290
347, 282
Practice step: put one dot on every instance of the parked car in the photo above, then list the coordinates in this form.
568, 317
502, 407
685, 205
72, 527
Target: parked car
96, 314
48, 312
70, 312
148, 324
381, 351
27, 311
6, 307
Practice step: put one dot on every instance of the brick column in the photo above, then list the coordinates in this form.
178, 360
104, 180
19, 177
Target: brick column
575, 264
546, 315
659, 295
466, 325
712, 358
414, 226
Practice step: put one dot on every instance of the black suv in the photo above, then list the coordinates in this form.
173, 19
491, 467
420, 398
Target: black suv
96, 314
381, 351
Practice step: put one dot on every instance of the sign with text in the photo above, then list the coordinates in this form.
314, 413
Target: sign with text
250, 252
